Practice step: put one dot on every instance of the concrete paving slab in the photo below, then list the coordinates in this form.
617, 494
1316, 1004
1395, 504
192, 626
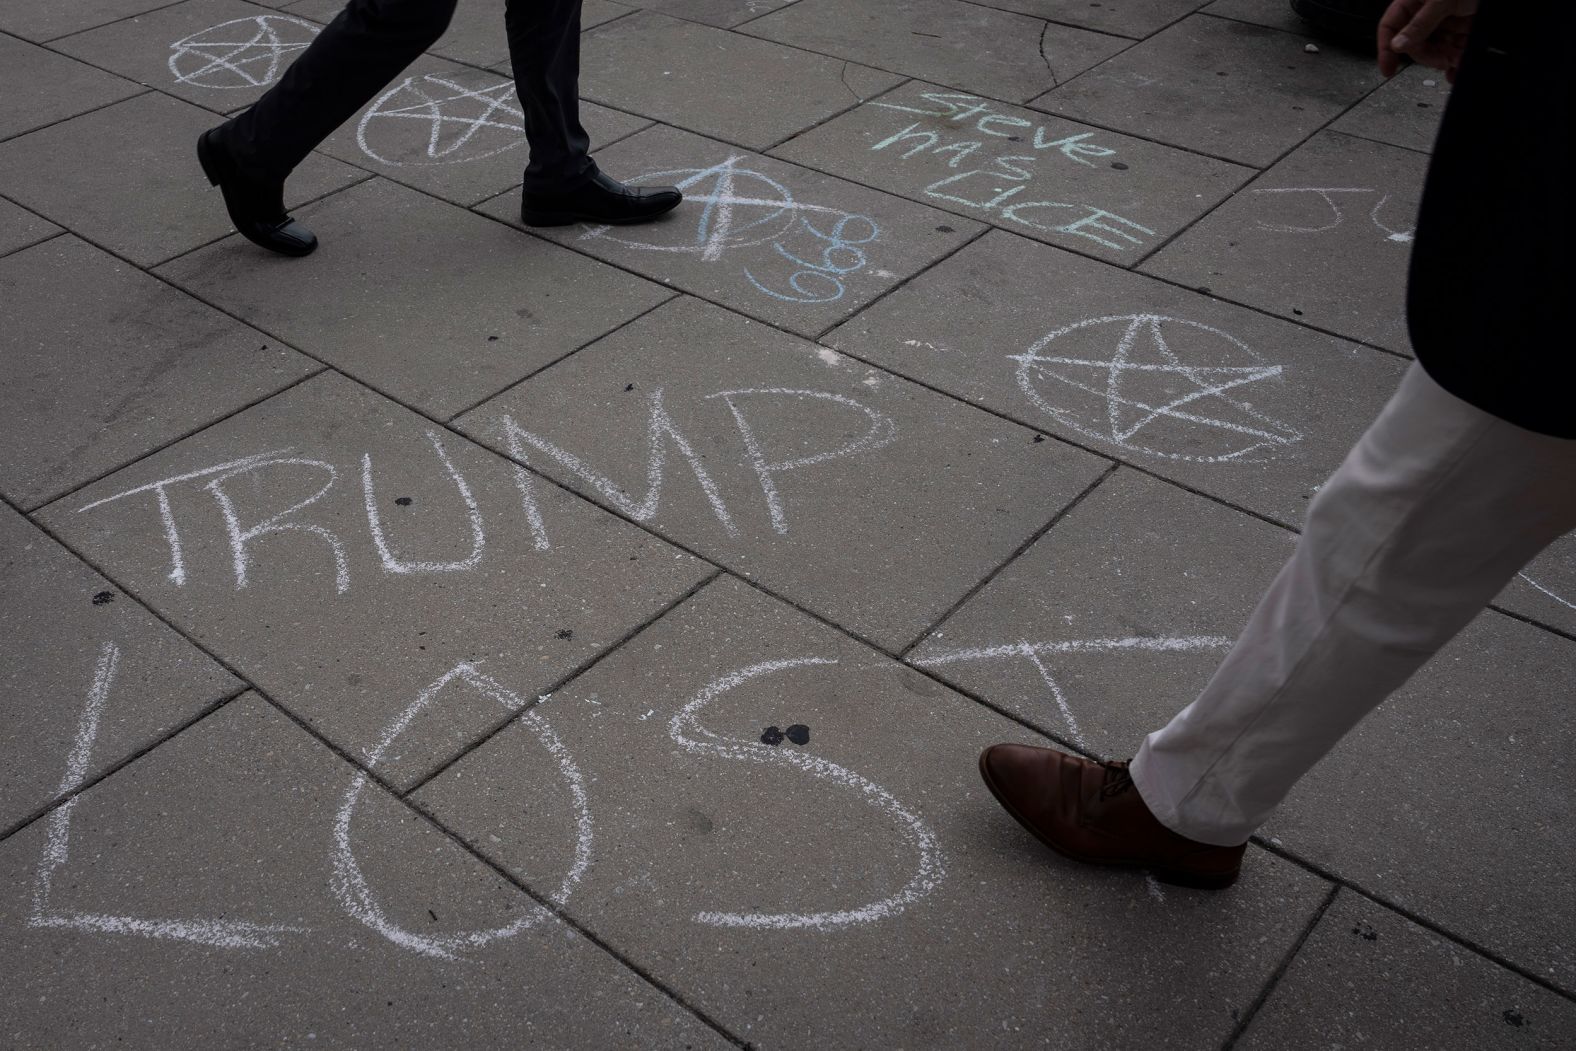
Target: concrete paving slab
106, 364
344, 556
457, 133
720, 13
1114, 619
998, 54
1087, 189
75, 650
1546, 589
1453, 799
240, 885
126, 178
41, 22
1366, 976
853, 884
863, 497
751, 92
433, 305
1404, 111
778, 242
1129, 18
1277, 14
1322, 238
1226, 88
476, 34
1221, 399
220, 54
39, 87
20, 228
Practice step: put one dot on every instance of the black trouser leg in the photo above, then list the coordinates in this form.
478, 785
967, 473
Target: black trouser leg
544, 51
355, 57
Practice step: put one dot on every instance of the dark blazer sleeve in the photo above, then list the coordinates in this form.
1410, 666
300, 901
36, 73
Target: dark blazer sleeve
1490, 295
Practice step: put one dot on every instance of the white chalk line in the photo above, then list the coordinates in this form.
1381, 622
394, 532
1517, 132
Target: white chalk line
392, 563
349, 883
660, 431
224, 934
1557, 598
429, 108
882, 432
1034, 652
172, 536
240, 553
686, 730
265, 36
1206, 380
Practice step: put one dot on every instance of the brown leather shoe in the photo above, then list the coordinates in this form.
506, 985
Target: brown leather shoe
1091, 812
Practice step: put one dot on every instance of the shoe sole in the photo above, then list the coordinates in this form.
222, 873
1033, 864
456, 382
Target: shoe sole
534, 218
210, 168
1174, 877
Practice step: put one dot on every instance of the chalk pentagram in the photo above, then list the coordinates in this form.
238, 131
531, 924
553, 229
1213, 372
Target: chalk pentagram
443, 118
242, 53
1155, 385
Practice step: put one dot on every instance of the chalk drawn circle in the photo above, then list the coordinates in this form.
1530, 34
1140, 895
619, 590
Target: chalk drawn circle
1156, 385
453, 117
242, 53
733, 207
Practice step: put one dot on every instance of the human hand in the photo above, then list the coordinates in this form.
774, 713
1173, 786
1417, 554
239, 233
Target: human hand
1433, 32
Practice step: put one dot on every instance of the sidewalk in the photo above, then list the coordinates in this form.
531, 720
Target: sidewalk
584, 637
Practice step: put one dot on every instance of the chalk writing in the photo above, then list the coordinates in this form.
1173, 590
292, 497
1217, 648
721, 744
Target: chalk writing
375, 520
662, 433
687, 731
350, 884
1036, 652
1331, 196
242, 53
1111, 378
1000, 185
882, 432
802, 253
221, 933
442, 118
963, 109
243, 535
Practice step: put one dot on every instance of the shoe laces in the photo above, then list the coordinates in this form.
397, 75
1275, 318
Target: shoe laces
1117, 780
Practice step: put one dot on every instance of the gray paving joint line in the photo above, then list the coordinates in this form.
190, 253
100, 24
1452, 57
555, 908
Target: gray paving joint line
1034, 538
479, 402
520, 885
140, 457
1275, 976
1413, 917
565, 680
120, 764
91, 109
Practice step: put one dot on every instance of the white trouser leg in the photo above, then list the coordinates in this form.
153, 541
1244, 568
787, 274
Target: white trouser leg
1433, 512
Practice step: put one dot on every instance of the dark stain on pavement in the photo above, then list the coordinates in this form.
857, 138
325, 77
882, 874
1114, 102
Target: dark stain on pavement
798, 733
103, 597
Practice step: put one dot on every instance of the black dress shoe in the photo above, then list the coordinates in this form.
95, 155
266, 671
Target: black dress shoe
256, 208
600, 199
